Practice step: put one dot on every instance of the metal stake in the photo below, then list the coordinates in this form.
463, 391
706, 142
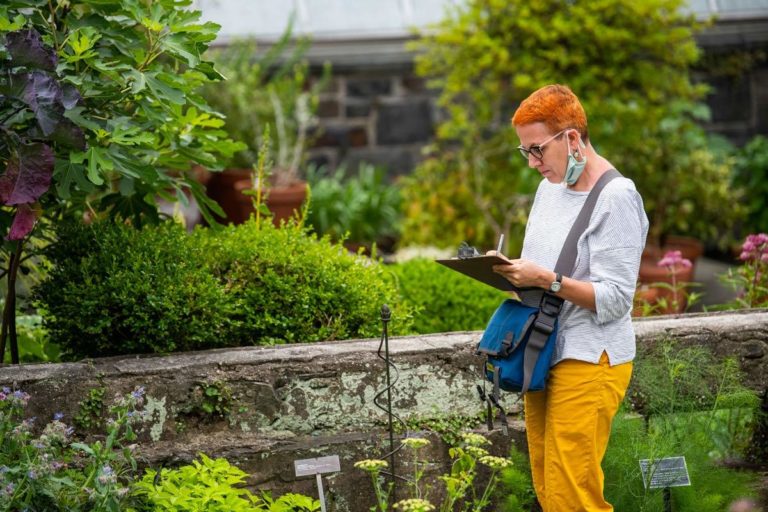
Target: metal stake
386, 314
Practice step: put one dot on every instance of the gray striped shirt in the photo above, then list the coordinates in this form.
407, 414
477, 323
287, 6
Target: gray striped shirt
609, 253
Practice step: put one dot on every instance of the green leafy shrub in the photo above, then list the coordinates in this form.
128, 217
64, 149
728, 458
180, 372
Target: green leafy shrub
285, 285
213, 486
361, 208
485, 57
444, 300
113, 289
713, 486
34, 345
690, 405
98, 112
752, 175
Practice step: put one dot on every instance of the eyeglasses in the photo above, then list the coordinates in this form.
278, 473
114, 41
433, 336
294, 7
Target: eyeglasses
537, 150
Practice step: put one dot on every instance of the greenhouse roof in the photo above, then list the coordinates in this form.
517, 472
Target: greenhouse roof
384, 19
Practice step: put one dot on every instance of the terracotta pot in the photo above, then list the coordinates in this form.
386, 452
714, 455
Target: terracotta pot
644, 294
651, 273
221, 188
281, 201
689, 248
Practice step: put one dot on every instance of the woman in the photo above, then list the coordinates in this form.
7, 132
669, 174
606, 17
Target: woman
568, 424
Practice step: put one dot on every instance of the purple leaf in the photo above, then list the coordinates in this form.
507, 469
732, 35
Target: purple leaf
43, 95
23, 222
13, 85
69, 134
28, 174
27, 49
70, 96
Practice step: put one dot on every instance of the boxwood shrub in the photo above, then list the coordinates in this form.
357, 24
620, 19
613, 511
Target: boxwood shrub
113, 289
444, 300
286, 285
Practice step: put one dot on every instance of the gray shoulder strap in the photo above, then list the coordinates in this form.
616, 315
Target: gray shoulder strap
567, 258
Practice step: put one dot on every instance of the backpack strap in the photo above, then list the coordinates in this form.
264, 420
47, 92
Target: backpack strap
551, 305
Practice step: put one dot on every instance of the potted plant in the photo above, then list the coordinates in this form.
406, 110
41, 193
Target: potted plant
686, 187
273, 92
362, 209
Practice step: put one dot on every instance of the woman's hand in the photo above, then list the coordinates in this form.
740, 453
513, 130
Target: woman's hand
524, 273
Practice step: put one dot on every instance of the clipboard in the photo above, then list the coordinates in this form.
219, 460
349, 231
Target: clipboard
480, 268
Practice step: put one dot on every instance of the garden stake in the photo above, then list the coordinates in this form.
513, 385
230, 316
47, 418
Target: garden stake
386, 314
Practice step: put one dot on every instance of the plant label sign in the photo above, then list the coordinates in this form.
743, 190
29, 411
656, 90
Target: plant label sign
663, 473
320, 465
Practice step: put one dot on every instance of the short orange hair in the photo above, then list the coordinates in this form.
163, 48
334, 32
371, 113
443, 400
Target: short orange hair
554, 105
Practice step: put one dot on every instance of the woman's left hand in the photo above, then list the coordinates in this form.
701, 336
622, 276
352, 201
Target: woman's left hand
524, 273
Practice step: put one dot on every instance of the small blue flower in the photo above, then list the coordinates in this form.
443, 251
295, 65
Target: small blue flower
6, 390
31, 474
58, 416
138, 393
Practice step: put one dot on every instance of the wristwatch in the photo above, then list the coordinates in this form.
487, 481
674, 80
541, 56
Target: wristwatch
557, 283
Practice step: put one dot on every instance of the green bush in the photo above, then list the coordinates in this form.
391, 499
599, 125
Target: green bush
444, 300
285, 285
113, 289
752, 175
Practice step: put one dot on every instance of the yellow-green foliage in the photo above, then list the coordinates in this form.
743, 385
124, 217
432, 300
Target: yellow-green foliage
214, 486
628, 62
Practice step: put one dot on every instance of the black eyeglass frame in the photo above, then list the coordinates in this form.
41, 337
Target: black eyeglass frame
537, 150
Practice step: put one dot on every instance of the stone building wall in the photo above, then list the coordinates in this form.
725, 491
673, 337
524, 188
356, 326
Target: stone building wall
384, 116
310, 400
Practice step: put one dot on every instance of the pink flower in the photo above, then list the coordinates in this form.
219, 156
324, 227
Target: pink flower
755, 247
673, 259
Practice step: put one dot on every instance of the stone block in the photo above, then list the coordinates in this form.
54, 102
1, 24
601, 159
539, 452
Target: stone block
369, 87
328, 108
396, 160
357, 109
413, 84
404, 122
342, 136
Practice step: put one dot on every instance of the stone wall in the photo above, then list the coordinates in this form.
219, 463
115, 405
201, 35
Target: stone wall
382, 116
302, 401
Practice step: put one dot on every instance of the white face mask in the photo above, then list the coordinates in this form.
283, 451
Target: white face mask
574, 168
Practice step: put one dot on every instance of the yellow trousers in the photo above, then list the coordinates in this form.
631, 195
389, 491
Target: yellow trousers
568, 425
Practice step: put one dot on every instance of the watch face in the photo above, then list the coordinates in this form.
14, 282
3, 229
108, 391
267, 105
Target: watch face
554, 287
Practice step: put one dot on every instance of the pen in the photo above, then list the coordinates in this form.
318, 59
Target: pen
501, 243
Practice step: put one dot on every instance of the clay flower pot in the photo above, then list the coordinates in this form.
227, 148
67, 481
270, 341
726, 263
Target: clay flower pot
281, 201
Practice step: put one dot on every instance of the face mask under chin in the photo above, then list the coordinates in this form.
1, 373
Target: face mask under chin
574, 168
